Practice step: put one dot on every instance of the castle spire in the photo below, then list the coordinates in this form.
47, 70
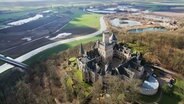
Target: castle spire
105, 38
81, 50
113, 38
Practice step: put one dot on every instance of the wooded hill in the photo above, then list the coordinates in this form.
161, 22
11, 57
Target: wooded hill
165, 49
55, 81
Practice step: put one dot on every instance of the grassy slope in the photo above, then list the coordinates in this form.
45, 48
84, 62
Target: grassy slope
178, 92
87, 20
176, 95
45, 54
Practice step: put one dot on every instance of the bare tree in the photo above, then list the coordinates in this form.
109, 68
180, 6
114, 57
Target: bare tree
24, 94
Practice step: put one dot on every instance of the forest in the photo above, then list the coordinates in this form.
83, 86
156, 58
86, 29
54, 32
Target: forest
165, 49
55, 81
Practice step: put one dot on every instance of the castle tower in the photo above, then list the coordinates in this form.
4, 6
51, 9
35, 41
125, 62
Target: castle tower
113, 39
106, 36
81, 50
105, 48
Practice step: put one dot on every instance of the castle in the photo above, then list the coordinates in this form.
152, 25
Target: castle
109, 57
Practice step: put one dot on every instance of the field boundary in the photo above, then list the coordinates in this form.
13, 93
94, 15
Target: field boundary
32, 53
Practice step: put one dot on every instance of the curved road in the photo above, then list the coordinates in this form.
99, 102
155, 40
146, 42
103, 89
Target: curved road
28, 55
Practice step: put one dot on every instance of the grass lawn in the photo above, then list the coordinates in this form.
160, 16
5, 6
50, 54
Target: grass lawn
176, 94
179, 88
168, 99
52, 51
86, 20
69, 82
169, 95
72, 59
70, 12
78, 75
149, 99
138, 47
173, 97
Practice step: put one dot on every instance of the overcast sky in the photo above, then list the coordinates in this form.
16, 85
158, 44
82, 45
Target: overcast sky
18, 0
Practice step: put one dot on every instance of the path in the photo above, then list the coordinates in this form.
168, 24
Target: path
30, 54
165, 70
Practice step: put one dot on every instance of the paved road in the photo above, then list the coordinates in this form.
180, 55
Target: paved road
28, 55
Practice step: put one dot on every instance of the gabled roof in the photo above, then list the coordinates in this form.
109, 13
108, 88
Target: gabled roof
93, 53
102, 72
115, 71
108, 68
84, 60
126, 72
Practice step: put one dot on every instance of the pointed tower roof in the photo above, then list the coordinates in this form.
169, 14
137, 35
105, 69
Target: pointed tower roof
113, 38
81, 50
95, 45
108, 67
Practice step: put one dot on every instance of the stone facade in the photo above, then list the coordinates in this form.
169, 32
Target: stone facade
97, 62
102, 60
105, 48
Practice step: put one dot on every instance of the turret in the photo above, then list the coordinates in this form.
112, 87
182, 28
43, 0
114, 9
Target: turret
105, 48
106, 35
96, 45
112, 39
81, 50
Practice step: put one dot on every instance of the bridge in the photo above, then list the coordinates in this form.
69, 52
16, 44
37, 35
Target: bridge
13, 62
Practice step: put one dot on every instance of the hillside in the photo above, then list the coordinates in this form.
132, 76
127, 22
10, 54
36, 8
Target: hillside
161, 48
55, 81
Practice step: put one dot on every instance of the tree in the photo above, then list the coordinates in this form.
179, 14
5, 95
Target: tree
182, 101
132, 90
115, 90
96, 92
24, 94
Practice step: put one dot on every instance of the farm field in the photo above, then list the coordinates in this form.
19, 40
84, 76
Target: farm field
87, 20
83, 24
39, 31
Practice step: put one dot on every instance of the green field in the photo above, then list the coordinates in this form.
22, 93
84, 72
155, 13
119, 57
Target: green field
173, 95
167, 95
90, 20
22, 14
16, 15
11, 16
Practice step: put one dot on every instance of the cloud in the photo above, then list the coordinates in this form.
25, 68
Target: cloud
18, 0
